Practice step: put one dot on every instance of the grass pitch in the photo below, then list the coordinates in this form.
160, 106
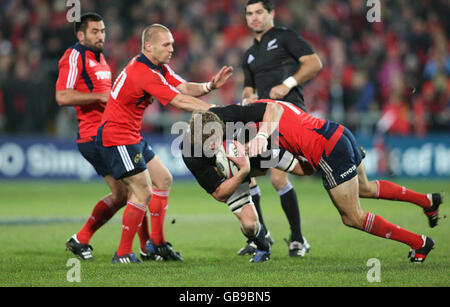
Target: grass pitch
37, 218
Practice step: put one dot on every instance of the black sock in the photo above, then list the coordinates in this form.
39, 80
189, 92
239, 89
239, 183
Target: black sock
289, 204
255, 192
260, 239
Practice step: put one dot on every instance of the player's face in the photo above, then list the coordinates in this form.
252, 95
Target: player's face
258, 18
94, 37
161, 49
213, 144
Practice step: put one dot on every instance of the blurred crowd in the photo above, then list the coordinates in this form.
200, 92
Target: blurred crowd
382, 77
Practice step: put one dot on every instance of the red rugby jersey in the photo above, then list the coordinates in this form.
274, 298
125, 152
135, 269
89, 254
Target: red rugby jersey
85, 70
305, 135
134, 89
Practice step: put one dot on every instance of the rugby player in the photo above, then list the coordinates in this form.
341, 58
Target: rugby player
147, 78
84, 82
331, 149
235, 191
276, 66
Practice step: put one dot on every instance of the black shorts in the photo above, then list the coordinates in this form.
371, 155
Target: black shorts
91, 153
342, 162
127, 160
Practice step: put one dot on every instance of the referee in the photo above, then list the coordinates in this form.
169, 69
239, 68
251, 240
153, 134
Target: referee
275, 66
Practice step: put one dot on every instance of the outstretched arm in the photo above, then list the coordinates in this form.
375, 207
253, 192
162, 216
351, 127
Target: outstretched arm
200, 89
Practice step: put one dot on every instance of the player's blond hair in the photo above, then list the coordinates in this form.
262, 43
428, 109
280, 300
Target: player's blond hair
149, 33
205, 117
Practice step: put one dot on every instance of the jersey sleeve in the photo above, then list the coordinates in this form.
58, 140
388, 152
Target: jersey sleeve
248, 77
295, 44
173, 78
70, 67
253, 112
157, 86
204, 173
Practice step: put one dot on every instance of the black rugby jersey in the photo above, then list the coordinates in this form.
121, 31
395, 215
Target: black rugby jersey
203, 167
269, 62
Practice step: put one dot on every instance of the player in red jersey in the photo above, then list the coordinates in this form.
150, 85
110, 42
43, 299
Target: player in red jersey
84, 82
146, 78
332, 149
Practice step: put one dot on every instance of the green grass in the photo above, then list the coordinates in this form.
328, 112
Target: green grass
37, 218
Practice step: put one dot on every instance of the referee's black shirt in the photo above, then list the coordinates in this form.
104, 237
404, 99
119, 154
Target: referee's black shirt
269, 62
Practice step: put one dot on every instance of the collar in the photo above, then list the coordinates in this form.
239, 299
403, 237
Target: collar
83, 48
262, 37
143, 59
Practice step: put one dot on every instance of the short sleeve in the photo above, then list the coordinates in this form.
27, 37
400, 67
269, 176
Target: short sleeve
205, 174
173, 78
248, 76
295, 44
70, 67
158, 87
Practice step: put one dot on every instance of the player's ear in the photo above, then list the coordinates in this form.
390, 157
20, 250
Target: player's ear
80, 36
147, 46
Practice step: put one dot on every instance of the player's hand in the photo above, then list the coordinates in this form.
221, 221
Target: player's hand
221, 77
279, 91
241, 161
103, 97
250, 99
257, 145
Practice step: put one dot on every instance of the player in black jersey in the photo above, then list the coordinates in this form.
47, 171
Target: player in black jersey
275, 66
235, 191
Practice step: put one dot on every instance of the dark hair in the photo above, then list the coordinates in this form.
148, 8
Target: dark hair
268, 4
84, 19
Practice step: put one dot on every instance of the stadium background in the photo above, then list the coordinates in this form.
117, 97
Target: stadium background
387, 81
396, 70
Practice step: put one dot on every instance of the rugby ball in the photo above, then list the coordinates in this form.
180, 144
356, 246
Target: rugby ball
225, 166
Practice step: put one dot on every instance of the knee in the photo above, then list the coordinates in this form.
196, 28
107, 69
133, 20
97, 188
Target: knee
278, 181
249, 227
164, 182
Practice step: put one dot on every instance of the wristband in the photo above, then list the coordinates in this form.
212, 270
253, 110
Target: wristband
206, 87
290, 82
263, 135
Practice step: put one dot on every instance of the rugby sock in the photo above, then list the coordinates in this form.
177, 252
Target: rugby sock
260, 238
378, 226
132, 217
158, 207
143, 232
102, 212
289, 203
392, 191
255, 192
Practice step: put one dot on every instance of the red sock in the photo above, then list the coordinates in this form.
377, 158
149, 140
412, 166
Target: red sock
101, 213
132, 217
143, 232
392, 191
378, 226
158, 207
